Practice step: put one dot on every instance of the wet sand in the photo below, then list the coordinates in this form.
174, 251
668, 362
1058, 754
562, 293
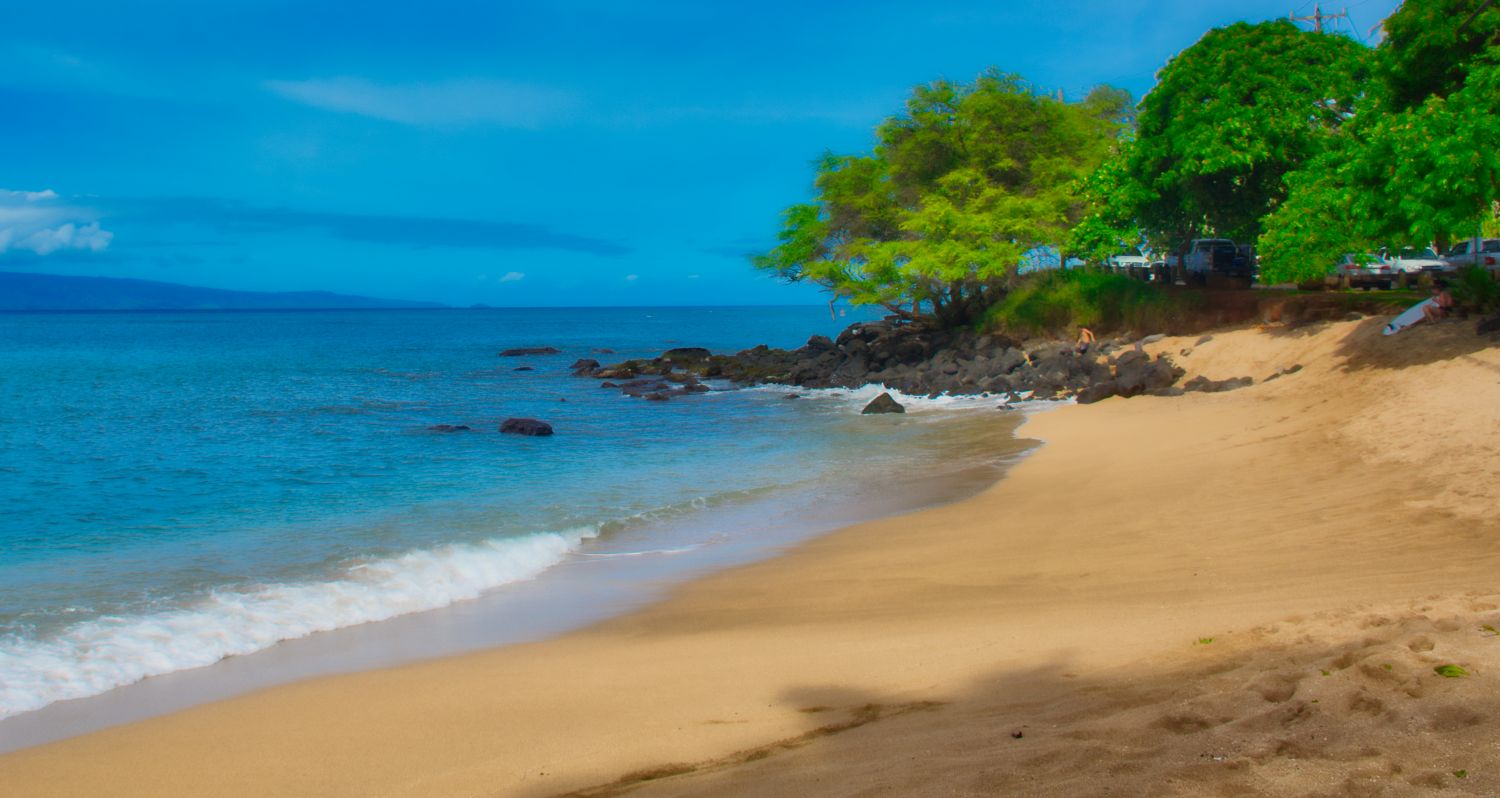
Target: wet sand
1240, 593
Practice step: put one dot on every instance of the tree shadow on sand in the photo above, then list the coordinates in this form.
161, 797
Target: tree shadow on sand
1334, 704
1366, 347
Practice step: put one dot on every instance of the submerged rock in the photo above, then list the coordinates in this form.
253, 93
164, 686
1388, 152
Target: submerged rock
884, 403
448, 428
525, 426
530, 350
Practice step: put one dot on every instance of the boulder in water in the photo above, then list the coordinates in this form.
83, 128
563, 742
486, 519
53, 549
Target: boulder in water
525, 426
449, 428
884, 403
530, 350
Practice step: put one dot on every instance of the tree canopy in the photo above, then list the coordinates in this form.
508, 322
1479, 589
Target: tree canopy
958, 189
1421, 159
1228, 119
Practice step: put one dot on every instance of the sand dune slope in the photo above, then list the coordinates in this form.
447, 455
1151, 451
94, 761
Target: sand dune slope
1246, 593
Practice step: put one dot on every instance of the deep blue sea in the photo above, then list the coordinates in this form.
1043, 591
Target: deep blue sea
176, 488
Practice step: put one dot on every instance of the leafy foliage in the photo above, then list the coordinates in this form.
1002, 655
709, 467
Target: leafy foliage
1073, 298
1407, 170
1229, 118
1110, 227
958, 189
1476, 291
1426, 55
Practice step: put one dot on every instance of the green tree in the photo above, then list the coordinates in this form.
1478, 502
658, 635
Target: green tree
1111, 196
1421, 159
1425, 54
1229, 118
958, 188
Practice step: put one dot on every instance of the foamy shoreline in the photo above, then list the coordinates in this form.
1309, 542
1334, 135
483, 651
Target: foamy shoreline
425, 603
1152, 600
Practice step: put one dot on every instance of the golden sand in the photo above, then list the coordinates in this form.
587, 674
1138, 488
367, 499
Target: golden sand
1246, 593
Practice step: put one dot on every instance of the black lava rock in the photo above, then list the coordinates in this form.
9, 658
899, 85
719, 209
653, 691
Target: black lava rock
525, 426
884, 403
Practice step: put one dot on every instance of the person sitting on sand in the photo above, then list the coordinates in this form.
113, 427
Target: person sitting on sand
1085, 339
1442, 303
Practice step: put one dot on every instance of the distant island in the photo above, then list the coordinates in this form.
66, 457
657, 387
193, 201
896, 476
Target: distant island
28, 291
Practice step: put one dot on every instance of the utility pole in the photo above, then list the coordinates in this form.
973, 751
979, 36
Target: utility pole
1317, 17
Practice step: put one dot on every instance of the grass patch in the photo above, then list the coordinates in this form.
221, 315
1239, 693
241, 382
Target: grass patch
1203, 641
1450, 671
1054, 301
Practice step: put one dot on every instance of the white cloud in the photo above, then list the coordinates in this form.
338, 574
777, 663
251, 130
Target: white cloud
510, 277
40, 222
446, 103
630, 278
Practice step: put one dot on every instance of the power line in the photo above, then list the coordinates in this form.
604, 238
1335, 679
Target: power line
1473, 16
1318, 17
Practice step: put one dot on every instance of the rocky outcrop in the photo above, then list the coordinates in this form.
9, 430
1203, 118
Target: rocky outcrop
530, 350
884, 403
525, 426
1203, 384
917, 359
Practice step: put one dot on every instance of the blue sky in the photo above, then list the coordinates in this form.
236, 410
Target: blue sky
564, 153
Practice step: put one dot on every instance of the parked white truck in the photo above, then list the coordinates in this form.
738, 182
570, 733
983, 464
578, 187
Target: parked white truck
1474, 252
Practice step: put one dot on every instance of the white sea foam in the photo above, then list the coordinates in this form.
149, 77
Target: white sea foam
857, 398
108, 652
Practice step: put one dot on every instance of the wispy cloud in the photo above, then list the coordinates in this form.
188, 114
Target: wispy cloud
446, 103
42, 223
232, 217
511, 277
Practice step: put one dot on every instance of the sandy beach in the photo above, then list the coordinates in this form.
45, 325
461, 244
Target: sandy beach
1243, 593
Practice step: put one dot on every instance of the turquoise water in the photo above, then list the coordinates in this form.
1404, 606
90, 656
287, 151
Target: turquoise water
182, 487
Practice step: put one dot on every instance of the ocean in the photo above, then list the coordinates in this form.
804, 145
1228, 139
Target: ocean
182, 488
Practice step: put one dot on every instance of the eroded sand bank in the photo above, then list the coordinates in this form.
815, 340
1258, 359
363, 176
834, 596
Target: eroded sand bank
1152, 600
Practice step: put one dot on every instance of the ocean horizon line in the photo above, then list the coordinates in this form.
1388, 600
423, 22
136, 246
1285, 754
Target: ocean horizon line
126, 311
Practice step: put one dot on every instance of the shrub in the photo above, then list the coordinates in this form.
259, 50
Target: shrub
1476, 291
1064, 300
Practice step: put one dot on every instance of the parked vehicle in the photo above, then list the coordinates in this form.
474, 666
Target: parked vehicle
1366, 271
1133, 265
1215, 256
1415, 260
1474, 252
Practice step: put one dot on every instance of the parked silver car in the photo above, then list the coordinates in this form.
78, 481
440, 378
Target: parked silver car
1366, 271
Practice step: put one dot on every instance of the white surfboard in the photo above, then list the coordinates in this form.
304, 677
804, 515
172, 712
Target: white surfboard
1408, 317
